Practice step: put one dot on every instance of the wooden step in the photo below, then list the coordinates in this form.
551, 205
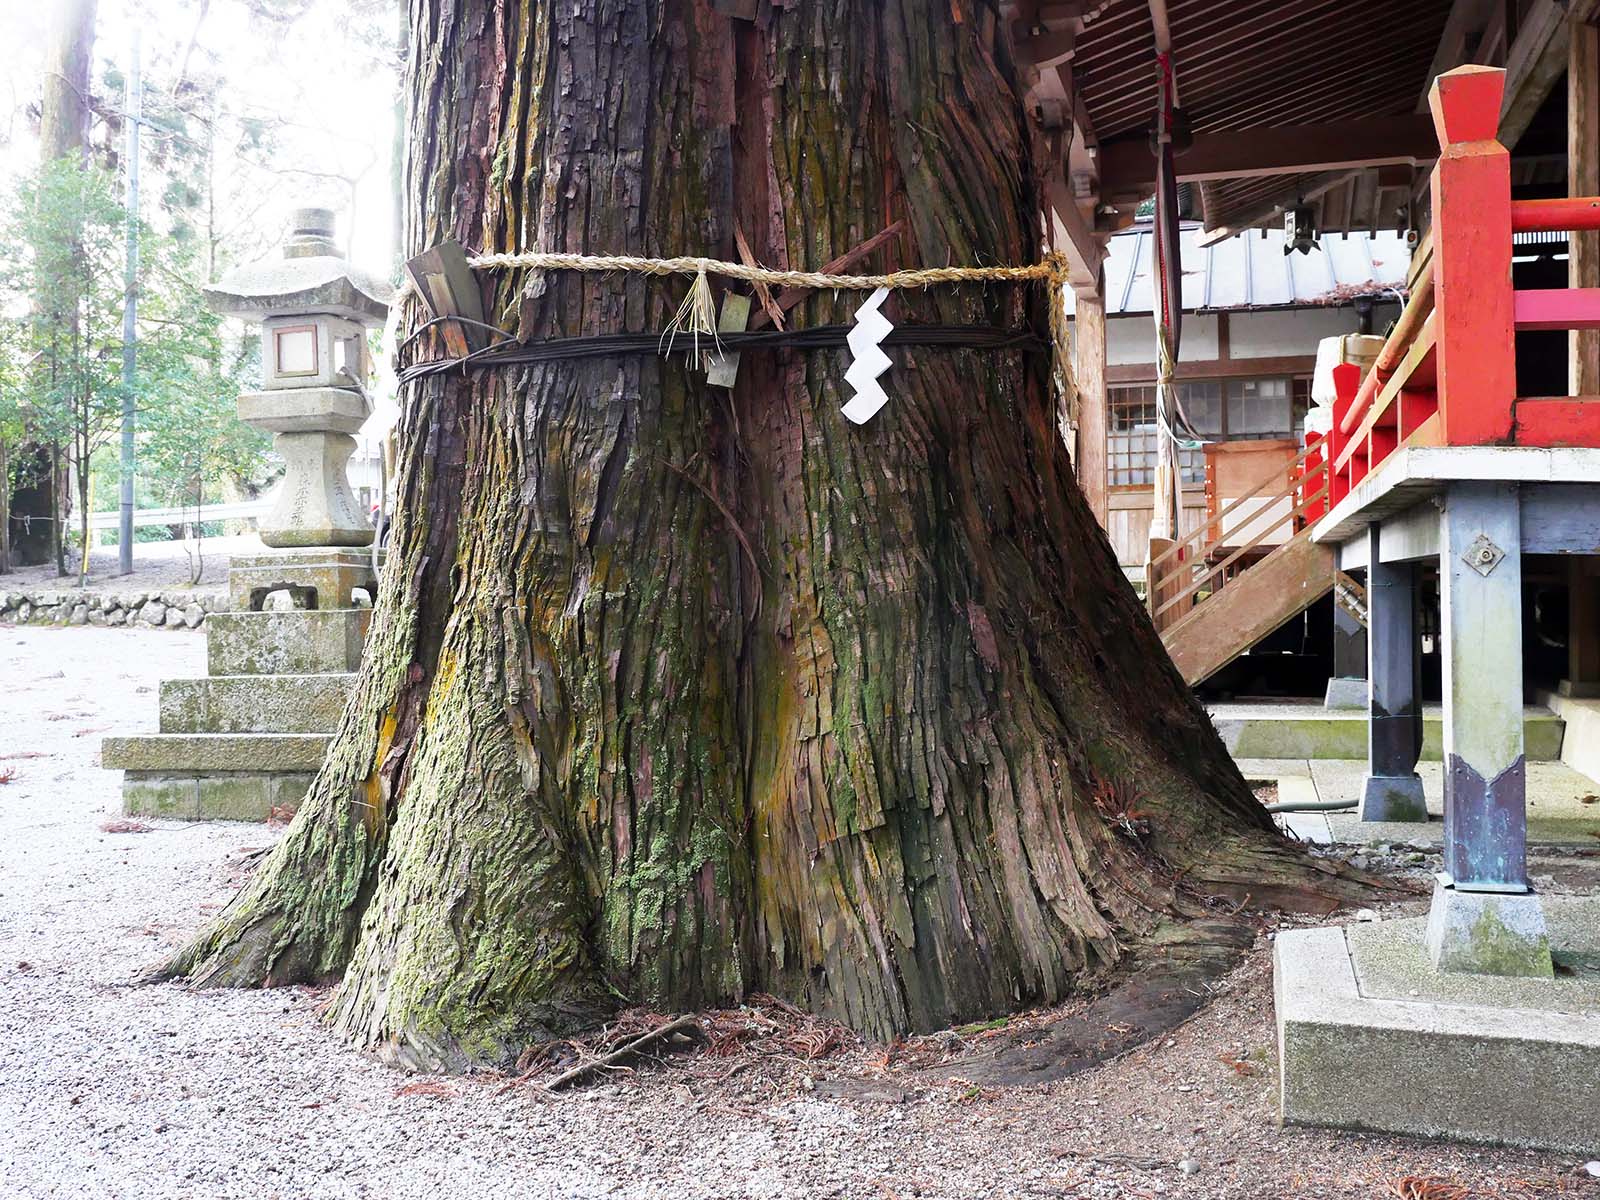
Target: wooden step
1220, 628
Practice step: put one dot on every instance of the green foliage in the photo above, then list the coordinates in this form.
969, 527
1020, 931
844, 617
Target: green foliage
12, 374
64, 246
61, 367
189, 381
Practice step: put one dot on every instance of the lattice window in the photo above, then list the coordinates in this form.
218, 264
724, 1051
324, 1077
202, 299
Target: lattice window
1131, 440
1218, 410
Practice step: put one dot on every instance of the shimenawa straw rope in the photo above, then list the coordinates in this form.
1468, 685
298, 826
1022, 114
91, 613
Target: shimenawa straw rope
696, 316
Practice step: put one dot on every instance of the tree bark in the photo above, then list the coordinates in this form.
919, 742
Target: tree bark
63, 133
673, 695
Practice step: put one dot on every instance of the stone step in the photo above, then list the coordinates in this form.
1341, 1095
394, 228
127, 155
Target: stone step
175, 752
297, 642
255, 703
214, 795
1311, 731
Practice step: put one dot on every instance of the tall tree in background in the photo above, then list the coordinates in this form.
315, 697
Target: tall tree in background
672, 696
38, 501
67, 233
13, 423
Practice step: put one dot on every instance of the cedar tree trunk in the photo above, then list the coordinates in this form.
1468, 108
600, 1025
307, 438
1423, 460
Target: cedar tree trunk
672, 695
64, 89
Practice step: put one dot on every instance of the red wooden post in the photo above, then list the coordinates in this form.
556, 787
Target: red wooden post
1310, 484
1477, 382
1346, 382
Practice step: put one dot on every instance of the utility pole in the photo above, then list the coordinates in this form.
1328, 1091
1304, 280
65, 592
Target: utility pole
130, 311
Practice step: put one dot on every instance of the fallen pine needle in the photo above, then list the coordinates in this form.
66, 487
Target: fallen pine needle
684, 1026
427, 1087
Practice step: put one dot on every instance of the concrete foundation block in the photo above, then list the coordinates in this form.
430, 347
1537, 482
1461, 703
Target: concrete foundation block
1488, 933
1393, 798
322, 642
181, 753
146, 794
1345, 693
1302, 732
255, 703
1362, 1045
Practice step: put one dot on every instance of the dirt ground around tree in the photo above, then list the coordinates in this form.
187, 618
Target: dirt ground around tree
120, 1091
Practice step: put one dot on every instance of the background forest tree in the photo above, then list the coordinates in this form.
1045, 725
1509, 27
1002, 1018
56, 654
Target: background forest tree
221, 168
65, 251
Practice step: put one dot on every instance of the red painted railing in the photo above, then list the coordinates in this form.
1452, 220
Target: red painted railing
1446, 375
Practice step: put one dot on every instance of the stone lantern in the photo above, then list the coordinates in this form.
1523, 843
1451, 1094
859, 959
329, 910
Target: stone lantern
315, 309
245, 740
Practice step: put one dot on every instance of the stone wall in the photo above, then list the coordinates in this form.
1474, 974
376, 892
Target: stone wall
149, 610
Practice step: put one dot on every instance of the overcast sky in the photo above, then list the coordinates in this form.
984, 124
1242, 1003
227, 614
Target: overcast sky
325, 68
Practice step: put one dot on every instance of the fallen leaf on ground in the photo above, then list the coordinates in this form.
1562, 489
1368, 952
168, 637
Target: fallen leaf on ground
126, 826
7, 774
427, 1087
1419, 1187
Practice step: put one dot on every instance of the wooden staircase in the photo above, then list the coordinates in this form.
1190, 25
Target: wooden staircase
1212, 602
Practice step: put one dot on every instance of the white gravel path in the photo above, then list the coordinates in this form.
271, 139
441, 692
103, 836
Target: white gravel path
155, 565
137, 1093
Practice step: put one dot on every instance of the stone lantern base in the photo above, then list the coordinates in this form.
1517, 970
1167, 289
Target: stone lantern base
244, 742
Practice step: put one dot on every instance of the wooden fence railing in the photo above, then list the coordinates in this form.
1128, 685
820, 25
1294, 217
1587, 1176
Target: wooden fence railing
1446, 376
1184, 574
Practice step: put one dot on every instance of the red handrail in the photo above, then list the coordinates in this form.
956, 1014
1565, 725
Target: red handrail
1418, 306
1555, 216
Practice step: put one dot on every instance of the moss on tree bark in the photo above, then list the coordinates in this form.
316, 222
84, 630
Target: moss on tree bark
673, 695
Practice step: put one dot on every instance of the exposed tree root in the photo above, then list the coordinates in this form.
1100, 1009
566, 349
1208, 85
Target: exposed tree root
1163, 985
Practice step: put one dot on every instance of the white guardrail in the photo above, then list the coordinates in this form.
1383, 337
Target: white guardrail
182, 514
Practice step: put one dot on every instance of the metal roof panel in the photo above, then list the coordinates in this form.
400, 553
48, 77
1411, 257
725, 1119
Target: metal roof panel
1250, 270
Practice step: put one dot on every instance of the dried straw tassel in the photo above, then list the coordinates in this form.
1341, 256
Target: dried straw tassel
696, 316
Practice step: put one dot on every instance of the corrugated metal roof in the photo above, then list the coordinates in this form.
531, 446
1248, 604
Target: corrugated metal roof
1251, 270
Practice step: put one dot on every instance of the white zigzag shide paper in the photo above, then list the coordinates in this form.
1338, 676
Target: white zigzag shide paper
868, 361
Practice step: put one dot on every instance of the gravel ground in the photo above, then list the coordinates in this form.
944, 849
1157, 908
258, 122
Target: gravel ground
155, 565
110, 1090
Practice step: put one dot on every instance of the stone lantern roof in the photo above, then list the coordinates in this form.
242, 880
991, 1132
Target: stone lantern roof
311, 277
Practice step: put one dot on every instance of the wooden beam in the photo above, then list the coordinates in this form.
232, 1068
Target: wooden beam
1071, 234
1127, 167
1215, 368
1571, 308
1583, 179
1089, 373
1536, 61
1461, 41
1274, 205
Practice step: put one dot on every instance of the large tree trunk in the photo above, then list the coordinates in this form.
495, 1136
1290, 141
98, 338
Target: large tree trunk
37, 501
671, 696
